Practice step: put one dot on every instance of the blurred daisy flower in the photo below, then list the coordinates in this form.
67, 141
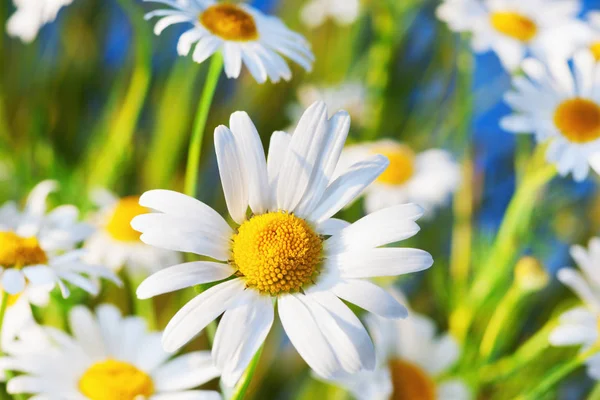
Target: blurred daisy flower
31, 15
411, 359
514, 28
349, 96
592, 39
579, 326
38, 248
242, 34
102, 361
289, 250
561, 106
427, 178
19, 317
316, 12
116, 244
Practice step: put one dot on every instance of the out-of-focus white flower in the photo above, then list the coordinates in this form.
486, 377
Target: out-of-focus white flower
561, 106
316, 12
289, 251
514, 28
108, 357
427, 178
350, 96
410, 359
38, 248
116, 244
240, 32
31, 15
579, 326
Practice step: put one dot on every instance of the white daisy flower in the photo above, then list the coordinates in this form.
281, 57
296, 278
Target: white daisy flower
108, 357
240, 32
289, 250
38, 249
116, 244
31, 15
342, 12
428, 178
514, 28
561, 106
410, 361
591, 41
349, 96
579, 326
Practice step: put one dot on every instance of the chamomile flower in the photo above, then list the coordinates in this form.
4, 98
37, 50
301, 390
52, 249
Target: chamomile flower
411, 358
31, 15
38, 248
316, 12
116, 244
427, 178
108, 357
288, 250
514, 28
579, 326
561, 106
241, 33
592, 39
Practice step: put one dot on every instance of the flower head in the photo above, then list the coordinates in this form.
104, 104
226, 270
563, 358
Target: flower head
242, 34
287, 250
102, 361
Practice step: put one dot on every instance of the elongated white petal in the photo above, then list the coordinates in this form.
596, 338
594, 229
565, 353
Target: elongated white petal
381, 262
233, 174
332, 226
232, 56
241, 332
199, 312
252, 153
371, 297
13, 281
185, 372
277, 149
86, 331
182, 276
36, 201
572, 334
575, 281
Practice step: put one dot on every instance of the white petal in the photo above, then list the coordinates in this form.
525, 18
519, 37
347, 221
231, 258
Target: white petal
232, 55
185, 372
205, 48
241, 332
370, 297
199, 312
571, 334
233, 174
86, 331
188, 395
39, 274
36, 201
381, 262
277, 150
575, 281
13, 281
445, 353
332, 226
181, 276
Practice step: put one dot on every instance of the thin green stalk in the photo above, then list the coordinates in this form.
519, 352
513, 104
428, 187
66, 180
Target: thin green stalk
105, 168
499, 320
195, 149
239, 392
143, 308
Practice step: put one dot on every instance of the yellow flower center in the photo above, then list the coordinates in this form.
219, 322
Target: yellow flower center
229, 22
411, 382
277, 252
515, 25
595, 49
17, 251
402, 165
119, 224
578, 120
115, 380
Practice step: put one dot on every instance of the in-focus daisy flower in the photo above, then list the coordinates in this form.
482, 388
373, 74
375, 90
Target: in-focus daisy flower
31, 15
316, 12
427, 178
561, 106
108, 357
579, 326
288, 250
514, 28
38, 249
240, 32
116, 244
349, 96
411, 358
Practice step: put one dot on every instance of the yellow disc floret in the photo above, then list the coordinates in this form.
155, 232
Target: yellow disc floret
277, 252
410, 382
515, 25
402, 164
17, 251
119, 223
229, 22
578, 120
595, 49
115, 380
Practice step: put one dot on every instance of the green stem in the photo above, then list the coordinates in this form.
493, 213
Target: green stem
499, 319
142, 308
239, 392
195, 149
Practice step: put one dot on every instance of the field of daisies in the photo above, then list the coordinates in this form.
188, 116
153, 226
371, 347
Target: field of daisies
299, 199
